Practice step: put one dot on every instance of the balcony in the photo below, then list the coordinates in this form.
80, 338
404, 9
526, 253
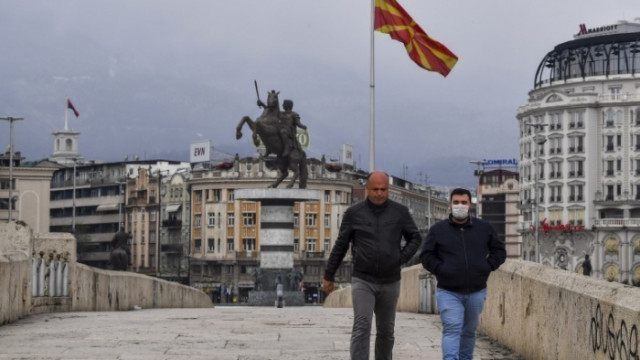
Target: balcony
171, 223
246, 255
171, 249
314, 254
617, 223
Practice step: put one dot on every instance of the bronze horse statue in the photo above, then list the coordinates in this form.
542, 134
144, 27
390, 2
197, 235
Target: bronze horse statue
267, 127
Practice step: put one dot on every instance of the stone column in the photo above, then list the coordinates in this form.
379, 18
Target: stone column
276, 241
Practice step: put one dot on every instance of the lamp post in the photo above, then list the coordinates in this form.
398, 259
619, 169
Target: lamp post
535, 210
73, 203
11, 120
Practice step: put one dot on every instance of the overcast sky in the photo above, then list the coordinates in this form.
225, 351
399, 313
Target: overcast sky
150, 77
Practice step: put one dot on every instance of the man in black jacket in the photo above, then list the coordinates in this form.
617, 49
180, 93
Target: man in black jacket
374, 228
461, 251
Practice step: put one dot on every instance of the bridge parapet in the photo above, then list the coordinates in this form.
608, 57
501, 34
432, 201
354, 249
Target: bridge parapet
540, 312
40, 274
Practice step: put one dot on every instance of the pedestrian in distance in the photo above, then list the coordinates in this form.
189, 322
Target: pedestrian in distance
586, 266
461, 252
374, 228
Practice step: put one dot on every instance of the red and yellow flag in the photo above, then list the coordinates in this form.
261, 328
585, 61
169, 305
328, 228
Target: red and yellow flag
391, 18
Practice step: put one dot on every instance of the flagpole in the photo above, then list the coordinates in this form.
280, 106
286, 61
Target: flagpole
66, 116
372, 97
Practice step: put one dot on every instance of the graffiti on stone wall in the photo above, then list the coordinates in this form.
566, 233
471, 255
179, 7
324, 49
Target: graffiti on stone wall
612, 337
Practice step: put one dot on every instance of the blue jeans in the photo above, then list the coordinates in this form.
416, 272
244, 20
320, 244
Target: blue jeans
460, 315
369, 298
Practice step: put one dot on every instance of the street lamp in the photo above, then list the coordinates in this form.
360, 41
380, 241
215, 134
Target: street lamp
10, 120
535, 210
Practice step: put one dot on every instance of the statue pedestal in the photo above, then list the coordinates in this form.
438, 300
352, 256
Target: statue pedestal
276, 244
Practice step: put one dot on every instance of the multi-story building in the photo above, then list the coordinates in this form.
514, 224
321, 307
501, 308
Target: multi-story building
144, 215
498, 199
91, 204
175, 227
580, 154
29, 192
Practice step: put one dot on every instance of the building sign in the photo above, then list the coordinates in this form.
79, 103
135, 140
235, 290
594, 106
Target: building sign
347, 154
200, 151
302, 135
558, 228
500, 162
598, 30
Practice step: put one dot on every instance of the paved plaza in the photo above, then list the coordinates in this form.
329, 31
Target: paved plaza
224, 333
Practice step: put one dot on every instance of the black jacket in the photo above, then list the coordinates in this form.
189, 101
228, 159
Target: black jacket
462, 256
375, 233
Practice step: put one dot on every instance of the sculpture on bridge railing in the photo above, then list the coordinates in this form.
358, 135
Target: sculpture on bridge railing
121, 252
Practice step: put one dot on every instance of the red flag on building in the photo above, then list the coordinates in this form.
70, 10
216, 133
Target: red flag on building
391, 18
70, 106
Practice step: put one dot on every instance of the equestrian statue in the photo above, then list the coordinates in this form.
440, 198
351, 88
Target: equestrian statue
277, 131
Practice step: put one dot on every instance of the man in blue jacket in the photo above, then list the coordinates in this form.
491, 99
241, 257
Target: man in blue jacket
461, 252
374, 228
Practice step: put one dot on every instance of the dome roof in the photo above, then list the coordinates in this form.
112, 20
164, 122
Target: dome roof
607, 50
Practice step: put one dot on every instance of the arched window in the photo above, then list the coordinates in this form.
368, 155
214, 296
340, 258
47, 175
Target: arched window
68, 145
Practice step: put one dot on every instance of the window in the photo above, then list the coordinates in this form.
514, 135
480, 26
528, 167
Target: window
198, 245
230, 195
152, 216
296, 219
327, 220
211, 219
609, 143
216, 195
311, 219
198, 197
576, 119
576, 168
327, 245
609, 168
555, 121
327, 196
210, 245
198, 220
576, 192
230, 244
230, 219
142, 237
248, 244
311, 245
152, 238
616, 93
249, 219
296, 245
555, 193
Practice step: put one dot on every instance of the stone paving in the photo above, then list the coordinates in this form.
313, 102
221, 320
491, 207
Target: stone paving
224, 333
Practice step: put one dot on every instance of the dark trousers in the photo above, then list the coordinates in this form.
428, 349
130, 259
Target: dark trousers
381, 300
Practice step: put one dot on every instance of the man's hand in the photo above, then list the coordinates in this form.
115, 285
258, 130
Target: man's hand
328, 286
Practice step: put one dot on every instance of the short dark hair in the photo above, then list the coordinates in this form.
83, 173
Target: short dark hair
460, 191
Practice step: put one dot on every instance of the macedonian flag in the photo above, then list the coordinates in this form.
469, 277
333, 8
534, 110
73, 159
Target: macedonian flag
392, 19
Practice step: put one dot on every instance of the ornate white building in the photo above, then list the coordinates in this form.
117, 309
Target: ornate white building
580, 154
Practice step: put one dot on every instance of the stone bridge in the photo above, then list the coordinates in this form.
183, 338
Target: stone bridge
52, 307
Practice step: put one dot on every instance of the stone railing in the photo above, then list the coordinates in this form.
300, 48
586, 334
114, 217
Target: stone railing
40, 274
540, 312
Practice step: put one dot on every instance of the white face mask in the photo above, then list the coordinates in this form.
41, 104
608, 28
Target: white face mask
460, 211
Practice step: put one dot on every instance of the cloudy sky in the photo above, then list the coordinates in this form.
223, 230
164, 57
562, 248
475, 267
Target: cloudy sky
151, 76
